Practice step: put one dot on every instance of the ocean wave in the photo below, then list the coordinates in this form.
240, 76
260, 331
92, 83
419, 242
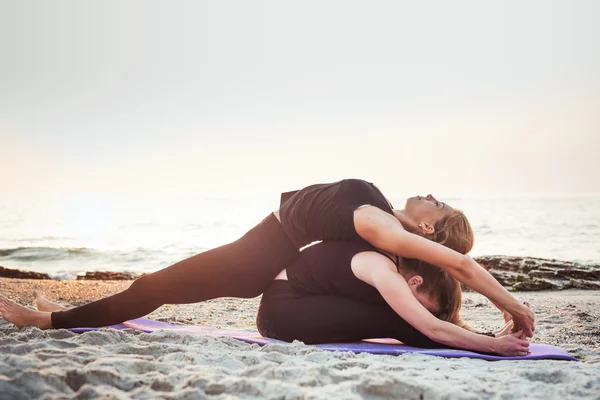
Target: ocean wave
87, 255
45, 253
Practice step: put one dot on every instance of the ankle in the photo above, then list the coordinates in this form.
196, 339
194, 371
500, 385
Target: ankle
44, 320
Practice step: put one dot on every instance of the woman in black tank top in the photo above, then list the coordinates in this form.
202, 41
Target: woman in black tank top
323, 297
351, 209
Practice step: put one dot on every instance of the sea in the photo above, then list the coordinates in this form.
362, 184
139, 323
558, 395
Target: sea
69, 234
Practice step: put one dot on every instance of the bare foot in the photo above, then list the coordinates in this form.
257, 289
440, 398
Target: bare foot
23, 316
43, 304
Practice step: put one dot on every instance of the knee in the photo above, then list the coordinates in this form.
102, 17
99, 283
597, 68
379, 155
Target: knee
140, 285
247, 286
143, 294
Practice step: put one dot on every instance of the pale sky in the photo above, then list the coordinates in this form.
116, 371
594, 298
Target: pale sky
418, 97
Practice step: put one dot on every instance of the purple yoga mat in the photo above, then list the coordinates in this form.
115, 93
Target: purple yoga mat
538, 351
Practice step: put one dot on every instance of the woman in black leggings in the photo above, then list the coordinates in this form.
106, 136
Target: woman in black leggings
351, 209
339, 292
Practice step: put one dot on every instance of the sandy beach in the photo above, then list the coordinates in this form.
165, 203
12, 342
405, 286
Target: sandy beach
58, 364
212, 141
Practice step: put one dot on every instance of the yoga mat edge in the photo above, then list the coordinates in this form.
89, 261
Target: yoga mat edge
538, 351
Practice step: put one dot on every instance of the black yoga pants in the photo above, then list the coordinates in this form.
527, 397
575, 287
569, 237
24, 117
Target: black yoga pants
243, 269
287, 315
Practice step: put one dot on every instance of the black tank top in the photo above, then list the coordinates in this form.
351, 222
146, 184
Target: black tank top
325, 269
326, 211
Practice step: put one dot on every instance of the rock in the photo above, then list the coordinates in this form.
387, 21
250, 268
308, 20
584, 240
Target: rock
109, 276
528, 273
18, 274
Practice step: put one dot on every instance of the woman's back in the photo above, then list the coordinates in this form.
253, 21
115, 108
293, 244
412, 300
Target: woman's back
326, 211
325, 269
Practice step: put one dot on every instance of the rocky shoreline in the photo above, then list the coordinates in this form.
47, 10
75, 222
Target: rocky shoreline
88, 276
531, 274
514, 273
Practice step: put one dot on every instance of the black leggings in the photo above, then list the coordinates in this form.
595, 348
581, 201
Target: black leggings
243, 268
287, 315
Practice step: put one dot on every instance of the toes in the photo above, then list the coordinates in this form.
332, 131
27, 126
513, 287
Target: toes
6, 302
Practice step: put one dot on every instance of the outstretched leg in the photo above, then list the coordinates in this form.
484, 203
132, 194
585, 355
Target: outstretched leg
243, 268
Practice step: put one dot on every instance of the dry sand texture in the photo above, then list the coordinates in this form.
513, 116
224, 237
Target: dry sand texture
113, 364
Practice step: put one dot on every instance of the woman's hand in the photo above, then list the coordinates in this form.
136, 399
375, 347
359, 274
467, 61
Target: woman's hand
524, 319
508, 318
513, 344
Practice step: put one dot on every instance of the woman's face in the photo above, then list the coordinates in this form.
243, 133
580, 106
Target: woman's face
426, 209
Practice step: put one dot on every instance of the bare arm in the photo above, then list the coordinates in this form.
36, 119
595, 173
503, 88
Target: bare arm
384, 231
380, 273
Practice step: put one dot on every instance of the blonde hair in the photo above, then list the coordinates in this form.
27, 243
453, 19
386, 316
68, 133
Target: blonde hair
450, 299
454, 231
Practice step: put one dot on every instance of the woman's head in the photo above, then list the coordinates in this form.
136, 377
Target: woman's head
441, 223
433, 287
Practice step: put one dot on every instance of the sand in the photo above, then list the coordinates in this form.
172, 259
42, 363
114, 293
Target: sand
58, 364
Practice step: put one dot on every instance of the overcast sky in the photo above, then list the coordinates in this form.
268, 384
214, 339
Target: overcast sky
452, 97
